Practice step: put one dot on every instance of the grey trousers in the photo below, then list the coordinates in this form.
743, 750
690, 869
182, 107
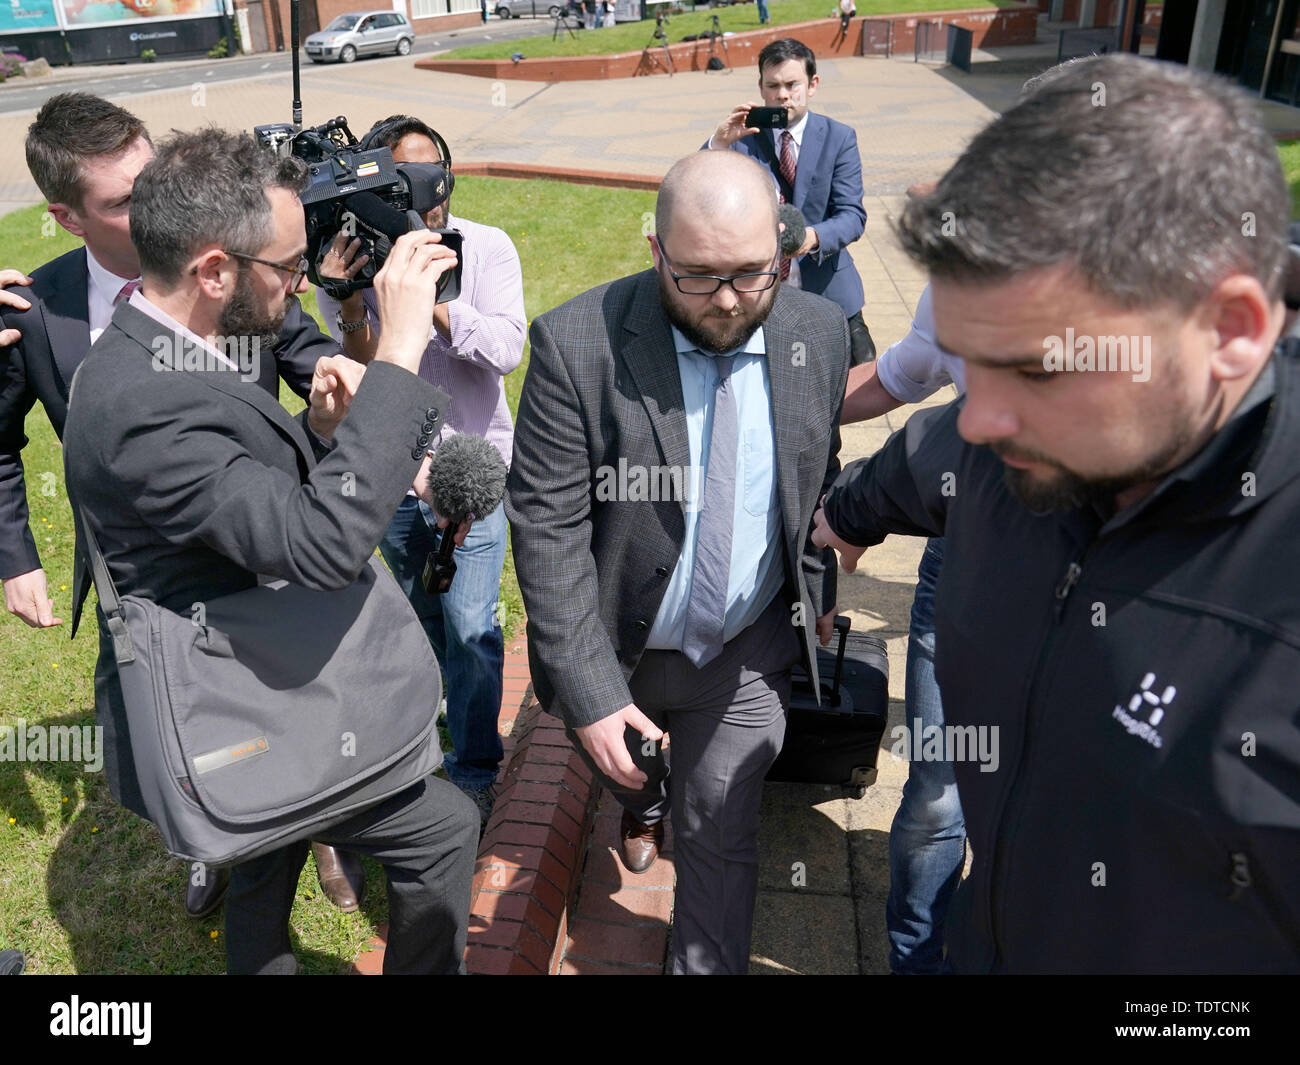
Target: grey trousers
726, 724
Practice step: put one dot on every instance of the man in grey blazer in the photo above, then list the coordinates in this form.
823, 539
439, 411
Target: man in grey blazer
199, 483
84, 153
675, 431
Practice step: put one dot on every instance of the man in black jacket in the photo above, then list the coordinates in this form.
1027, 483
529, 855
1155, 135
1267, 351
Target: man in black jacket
1119, 611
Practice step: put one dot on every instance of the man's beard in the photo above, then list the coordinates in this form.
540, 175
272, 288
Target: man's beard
241, 316
716, 332
1067, 490
437, 218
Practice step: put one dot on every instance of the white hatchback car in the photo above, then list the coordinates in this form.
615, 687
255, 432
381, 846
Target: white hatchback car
361, 33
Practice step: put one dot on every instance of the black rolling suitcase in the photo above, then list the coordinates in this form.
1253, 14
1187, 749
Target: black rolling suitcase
837, 742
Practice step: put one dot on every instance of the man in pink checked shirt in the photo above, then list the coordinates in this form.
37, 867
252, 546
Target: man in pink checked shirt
473, 343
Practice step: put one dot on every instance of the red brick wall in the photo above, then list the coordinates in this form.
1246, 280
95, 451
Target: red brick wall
447, 22
991, 27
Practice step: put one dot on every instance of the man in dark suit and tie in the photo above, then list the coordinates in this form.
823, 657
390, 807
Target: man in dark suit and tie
84, 154
675, 431
201, 485
815, 163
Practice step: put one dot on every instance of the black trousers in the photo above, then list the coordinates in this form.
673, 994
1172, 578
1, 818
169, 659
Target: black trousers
862, 347
426, 838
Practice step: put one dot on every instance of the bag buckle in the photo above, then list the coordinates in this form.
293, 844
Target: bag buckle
123, 649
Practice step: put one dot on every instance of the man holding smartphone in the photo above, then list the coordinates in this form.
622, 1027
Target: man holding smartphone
815, 163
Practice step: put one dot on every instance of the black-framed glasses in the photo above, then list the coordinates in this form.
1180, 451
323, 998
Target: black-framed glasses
708, 284
299, 271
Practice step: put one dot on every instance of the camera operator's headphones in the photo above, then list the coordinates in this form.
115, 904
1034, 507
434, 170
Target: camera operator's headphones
382, 130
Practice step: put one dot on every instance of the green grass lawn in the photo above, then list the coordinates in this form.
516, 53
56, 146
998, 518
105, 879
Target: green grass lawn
85, 886
1289, 151
633, 36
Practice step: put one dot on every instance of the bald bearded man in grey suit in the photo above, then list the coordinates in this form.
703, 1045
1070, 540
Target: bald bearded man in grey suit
681, 609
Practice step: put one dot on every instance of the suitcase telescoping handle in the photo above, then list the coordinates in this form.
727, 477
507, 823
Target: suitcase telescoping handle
842, 625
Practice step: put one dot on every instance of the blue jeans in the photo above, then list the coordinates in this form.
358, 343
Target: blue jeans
762, 11
927, 842
463, 628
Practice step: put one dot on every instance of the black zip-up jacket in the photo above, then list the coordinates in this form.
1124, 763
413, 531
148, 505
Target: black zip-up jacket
1143, 675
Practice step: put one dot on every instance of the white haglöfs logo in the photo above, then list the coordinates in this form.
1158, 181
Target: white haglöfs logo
1145, 711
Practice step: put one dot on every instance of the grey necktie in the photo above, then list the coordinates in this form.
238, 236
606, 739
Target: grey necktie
707, 606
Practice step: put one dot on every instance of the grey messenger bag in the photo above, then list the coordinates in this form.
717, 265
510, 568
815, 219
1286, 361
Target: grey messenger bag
278, 711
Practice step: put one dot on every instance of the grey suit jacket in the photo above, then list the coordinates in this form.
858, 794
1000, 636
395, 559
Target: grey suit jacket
198, 481
56, 338
603, 385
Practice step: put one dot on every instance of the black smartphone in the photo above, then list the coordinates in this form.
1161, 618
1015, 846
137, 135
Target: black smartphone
766, 118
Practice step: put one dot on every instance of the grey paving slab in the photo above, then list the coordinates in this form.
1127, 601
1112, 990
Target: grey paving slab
802, 847
804, 934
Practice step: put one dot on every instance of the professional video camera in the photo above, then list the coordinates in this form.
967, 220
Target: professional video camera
356, 188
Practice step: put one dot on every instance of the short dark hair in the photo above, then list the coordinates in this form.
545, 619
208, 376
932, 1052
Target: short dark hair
1152, 181
69, 129
787, 48
388, 132
202, 187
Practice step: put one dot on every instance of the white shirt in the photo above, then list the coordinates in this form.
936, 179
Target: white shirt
915, 367
102, 287
169, 352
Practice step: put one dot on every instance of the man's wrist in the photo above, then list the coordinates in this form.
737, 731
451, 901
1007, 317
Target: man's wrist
352, 320
325, 434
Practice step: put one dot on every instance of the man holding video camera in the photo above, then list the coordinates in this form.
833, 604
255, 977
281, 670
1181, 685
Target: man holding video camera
815, 163
475, 340
203, 487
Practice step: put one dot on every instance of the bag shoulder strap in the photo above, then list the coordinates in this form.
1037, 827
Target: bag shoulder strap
109, 602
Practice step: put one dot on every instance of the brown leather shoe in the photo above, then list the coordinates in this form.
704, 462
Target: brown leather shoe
341, 876
640, 843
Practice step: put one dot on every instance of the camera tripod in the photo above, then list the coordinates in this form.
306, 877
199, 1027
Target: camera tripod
649, 54
562, 23
716, 38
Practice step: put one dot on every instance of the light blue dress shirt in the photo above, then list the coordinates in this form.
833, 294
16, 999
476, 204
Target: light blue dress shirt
756, 572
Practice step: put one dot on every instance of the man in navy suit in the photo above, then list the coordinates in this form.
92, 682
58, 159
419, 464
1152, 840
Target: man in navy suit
816, 166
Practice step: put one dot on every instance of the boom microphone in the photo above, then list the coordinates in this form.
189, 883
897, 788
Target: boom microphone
795, 229
467, 480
